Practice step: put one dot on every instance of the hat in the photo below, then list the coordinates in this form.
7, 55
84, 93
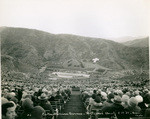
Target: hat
91, 92
12, 89
133, 102
30, 92
4, 100
97, 99
110, 96
55, 89
124, 90
6, 90
139, 98
103, 94
36, 89
120, 93
136, 92
43, 97
37, 111
125, 98
145, 91
93, 96
44, 90
128, 93
99, 91
24, 95
27, 103
10, 95
50, 92
117, 99
14, 99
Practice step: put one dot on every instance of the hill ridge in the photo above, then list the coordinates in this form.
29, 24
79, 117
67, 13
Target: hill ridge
33, 48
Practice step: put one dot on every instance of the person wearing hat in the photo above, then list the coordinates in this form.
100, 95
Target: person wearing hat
8, 110
103, 96
91, 101
115, 106
84, 95
109, 101
10, 95
128, 93
19, 92
27, 106
59, 97
125, 99
144, 105
68, 91
136, 93
4, 100
45, 104
64, 95
52, 97
14, 99
133, 105
96, 104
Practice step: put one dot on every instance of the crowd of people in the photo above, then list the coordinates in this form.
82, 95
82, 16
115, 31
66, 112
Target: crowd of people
43, 99
112, 101
30, 100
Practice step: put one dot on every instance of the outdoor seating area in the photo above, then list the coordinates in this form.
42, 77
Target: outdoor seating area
104, 100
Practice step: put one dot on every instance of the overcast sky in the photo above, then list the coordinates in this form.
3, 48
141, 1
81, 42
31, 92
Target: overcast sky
94, 18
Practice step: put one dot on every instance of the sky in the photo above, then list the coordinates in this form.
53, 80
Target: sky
93, 18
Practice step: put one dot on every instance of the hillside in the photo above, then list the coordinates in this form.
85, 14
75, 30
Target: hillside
27, 50
143, 42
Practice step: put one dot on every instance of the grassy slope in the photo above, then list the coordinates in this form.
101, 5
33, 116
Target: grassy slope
30, 49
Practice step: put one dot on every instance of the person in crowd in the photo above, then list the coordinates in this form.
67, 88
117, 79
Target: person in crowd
89, 101
38, 113
109, 101
94, 91
4, 100
68, 92
99, 93
85, 95
125, 100
103, 96
45, 104
10, 95
147, 112
145, 105
115, 106
133, 105
19, 94
59, 97
14, 99
8, 110
64, 95
27, 106
52, 98
96, 105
